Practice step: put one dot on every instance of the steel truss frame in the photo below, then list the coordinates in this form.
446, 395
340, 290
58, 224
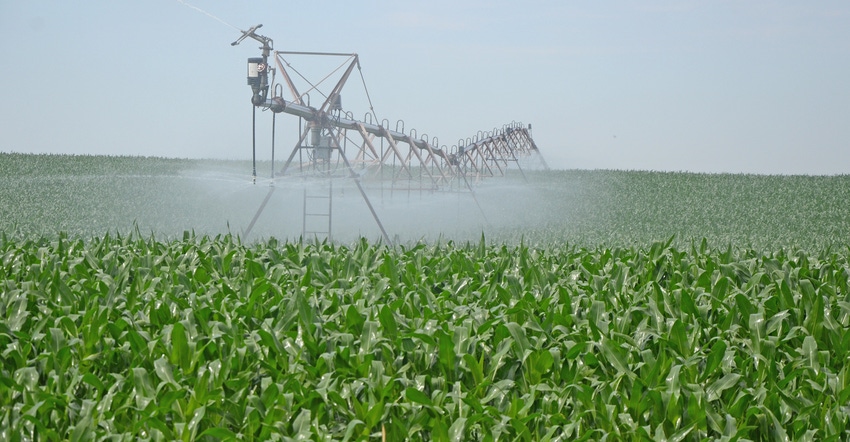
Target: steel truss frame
487, 154
417, 162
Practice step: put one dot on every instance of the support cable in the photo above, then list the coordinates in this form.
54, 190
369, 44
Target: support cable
257, 215
315, 86
368, 97
474, 198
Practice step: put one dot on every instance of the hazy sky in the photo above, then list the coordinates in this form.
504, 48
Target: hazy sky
708, 86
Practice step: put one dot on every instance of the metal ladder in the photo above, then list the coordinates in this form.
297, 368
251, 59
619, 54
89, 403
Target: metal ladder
317, 208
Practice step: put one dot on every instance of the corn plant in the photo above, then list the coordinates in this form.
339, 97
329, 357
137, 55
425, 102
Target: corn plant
126, 337
89, 195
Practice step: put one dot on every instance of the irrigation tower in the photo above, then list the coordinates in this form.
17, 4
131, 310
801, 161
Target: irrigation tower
334, 145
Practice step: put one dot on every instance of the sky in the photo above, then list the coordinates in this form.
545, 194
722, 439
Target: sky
680, 85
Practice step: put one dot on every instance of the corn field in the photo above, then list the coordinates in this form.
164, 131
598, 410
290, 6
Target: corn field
124, 338
88, 196
558, 331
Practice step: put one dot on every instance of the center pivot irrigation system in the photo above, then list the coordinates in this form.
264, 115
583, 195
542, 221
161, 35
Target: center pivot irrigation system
334, 145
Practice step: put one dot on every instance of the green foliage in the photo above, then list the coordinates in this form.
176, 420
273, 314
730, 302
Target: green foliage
573, 323
89, 195
208, 338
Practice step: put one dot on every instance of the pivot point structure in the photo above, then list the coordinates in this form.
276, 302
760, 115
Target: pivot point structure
332, 143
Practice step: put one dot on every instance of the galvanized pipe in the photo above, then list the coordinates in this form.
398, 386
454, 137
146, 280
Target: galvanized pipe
278, 104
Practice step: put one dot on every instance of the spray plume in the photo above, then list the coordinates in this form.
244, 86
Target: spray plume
208, 14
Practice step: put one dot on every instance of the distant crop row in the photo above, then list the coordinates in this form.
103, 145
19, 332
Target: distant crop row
87, 196
207, 338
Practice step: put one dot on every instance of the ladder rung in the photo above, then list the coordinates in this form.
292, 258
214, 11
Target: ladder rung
318, 213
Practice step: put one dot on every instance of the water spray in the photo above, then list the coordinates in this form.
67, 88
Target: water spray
182, 2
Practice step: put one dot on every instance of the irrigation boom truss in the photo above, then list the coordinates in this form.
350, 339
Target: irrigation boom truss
333, 143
